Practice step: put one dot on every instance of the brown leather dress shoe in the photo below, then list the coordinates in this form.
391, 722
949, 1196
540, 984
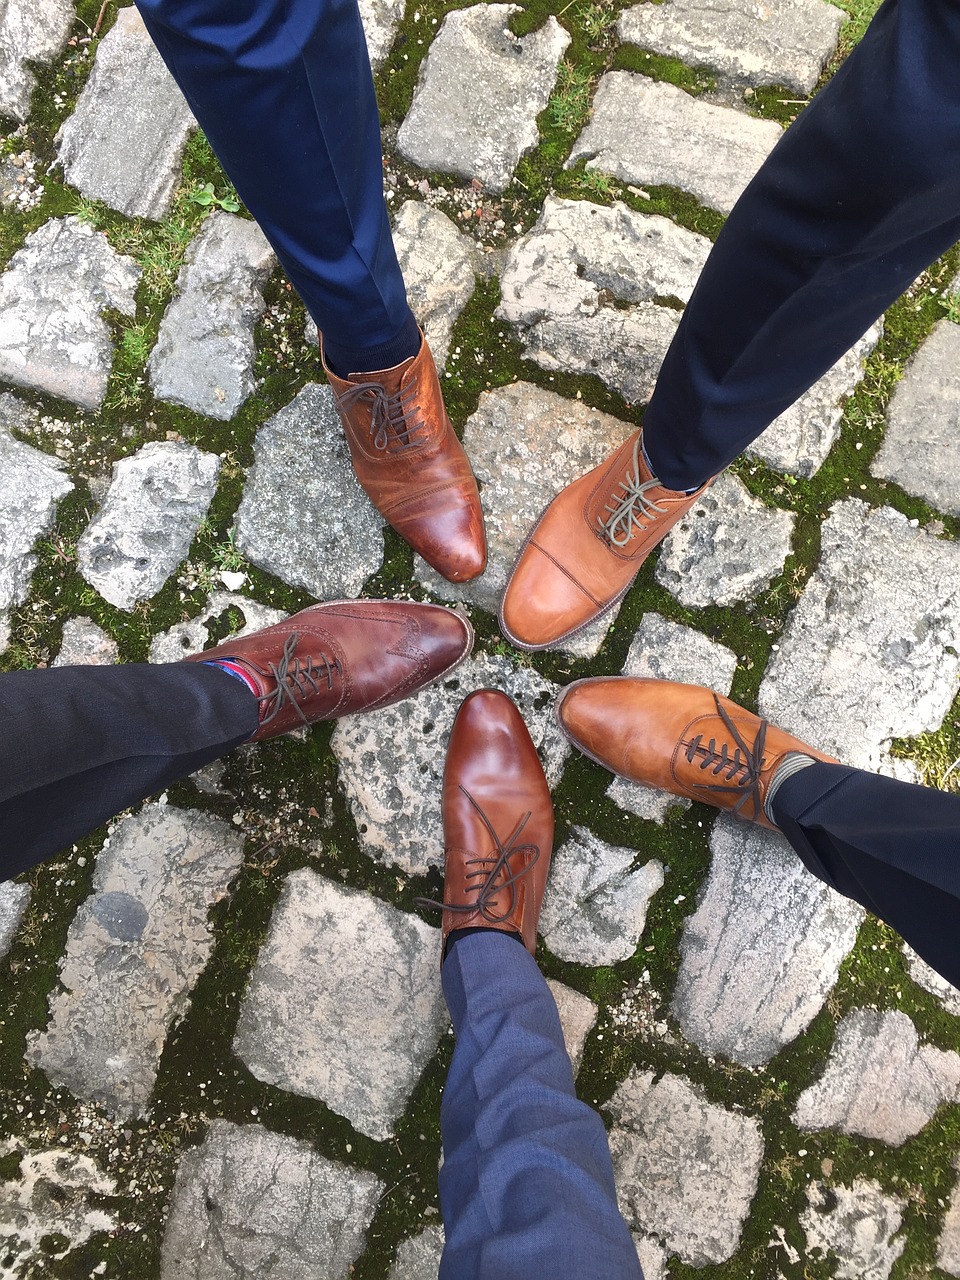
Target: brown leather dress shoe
348, 655
497, 821
680, 738
411, 465
587, 548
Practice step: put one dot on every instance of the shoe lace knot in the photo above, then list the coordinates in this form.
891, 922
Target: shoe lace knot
630, 504
297, 679
395, 417
740, 765
493, 874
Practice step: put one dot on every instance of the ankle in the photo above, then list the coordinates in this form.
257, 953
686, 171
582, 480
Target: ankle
791, 763
455, 935
346, 361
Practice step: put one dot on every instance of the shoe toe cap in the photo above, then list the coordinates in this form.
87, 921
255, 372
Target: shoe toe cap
542, 604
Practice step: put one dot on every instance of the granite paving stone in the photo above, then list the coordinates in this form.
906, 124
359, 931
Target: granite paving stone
85, 644
54, 1204
193, 635
762, 951
872, 649
590, 289
143, 530
391, 761
525, 445
205, 349
481, 134
665, 650
252, 1203
439, 265
14, 900
686, 1170
727, 548
439, 268
799, 440
344, 1002
53, 336
31, 31
948, 1246
418, 1258
578, 1017
748, 43
645, 131
923, 421
857, 1225
380, 21
595, 906
124, 142
652, 1256
134, 951
927, 977
879, 1081
303, 516
31, 485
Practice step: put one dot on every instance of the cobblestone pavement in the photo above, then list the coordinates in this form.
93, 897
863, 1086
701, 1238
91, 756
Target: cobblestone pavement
199, 1077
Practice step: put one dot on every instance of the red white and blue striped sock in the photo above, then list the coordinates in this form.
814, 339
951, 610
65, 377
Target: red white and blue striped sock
233, 669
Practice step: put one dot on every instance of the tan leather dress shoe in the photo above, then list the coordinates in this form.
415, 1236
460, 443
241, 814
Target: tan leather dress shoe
497, 821
348, 655
587, 548
680, 738
411, 465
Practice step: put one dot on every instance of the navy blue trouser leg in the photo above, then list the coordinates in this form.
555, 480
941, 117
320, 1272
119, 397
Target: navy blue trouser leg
79, 744
526, 1187
892, 846
283, 91
859, 196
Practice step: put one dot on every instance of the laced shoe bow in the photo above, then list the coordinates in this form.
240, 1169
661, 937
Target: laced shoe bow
742, 768
494, 873
632, 506
296, 680
395, 417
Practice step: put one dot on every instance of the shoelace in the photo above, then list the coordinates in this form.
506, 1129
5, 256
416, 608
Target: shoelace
389, 421
745, 760
487, 889
632, 507
296, 680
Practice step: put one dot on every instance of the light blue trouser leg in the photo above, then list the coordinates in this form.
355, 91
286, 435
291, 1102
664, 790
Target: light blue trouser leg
526, 1188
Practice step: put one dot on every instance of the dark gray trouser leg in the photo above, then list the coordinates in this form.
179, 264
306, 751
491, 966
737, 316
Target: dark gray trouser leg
79, 744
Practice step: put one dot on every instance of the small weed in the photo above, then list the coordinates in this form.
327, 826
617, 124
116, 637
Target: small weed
206, 195
136, 343
596, 183
568, 106
86, 211
951, 305
596, 20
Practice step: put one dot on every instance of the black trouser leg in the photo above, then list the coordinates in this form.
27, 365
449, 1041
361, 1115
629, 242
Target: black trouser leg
860, 195
79, 744
892, 846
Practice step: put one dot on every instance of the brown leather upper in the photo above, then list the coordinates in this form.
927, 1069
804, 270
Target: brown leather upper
497, 821
680, 738
345, 656
587, 548
411, 464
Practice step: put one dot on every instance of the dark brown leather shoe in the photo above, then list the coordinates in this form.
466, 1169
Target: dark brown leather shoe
411, 464
587, 548
344, 656
497, 821
680, 738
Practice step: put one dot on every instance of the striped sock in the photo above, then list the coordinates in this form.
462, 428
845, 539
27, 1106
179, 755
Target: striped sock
232, 669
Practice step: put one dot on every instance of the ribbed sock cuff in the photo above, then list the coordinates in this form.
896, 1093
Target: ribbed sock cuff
792, 763
345, 360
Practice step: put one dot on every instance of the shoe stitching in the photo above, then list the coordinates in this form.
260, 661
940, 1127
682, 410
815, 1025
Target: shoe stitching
566, 573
